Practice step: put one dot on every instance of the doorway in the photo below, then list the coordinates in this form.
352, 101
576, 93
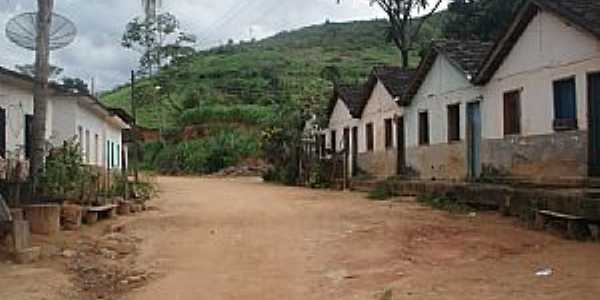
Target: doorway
401, 146
594, 124
474, 139
354, 167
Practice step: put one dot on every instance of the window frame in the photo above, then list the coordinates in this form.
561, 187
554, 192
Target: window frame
453, 127
370, 137
564, 124
388, 125
517, 128
424, 128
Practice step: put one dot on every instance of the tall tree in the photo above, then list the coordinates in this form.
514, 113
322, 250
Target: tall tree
40, 87
77, 84
479, 19
406, 19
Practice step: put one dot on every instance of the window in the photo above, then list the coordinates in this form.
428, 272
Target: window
323, 144
333, 141
80, 137
118, 161
389, 140
453, 123
512, 113
3, 132
347, 139
87, 147
565, 104
370, 135
424, 128
97, 149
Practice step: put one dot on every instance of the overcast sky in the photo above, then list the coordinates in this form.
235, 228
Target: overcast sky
96, 51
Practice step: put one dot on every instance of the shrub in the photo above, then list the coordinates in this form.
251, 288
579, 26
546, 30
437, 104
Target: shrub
204, 156
247, 114
444, 203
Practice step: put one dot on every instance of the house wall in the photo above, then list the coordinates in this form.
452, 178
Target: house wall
340, 119
444, 85
380, 162
549, 50
17, 101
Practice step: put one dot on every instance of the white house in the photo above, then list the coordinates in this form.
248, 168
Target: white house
344, 111
541, 94
438, 113
380, 146
70, 115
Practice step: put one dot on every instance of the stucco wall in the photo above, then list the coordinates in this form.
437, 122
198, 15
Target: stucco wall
380, 164
340, 119
548, 50
444, 85
17, 102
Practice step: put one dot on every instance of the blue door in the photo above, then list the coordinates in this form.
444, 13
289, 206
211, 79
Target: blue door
474, 139
594, 124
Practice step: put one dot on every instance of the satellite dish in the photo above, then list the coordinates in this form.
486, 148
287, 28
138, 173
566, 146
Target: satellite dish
22, 30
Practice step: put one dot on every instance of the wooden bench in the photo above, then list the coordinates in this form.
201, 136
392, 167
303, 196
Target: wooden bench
93, 213
576, 225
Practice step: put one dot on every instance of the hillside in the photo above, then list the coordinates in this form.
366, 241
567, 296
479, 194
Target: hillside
286, 67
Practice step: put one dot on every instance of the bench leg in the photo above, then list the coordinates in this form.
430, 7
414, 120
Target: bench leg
576, 230
91, 218
540, 221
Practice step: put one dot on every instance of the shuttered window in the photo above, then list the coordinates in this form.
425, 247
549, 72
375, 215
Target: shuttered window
453, 123
565, 104
389, 135
512, 113
424, 128
370, 137
333, 141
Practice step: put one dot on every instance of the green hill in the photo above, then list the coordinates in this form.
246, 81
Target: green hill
290, 66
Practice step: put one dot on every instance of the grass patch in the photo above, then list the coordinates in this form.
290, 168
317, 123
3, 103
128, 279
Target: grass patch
383, 191
444, 203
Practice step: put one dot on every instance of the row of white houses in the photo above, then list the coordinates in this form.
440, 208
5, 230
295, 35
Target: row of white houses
70, 116
525, 107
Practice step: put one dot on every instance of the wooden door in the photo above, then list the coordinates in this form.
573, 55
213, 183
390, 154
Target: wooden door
400, 146
354, 151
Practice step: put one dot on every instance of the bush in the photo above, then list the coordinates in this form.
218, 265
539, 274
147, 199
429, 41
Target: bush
205, 156
444, 203
247, 114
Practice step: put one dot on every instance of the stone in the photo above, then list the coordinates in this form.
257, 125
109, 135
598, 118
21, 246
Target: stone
28, 256
114, 228
71, 216
136, 208
43, 219
91, 218
68, 254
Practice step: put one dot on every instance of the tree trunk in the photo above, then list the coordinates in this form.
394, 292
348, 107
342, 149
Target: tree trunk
405, 53
40, 88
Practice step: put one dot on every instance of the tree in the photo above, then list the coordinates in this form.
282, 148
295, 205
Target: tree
29, 70
75, 84
159, 39
40, 87
479, 19
405, 25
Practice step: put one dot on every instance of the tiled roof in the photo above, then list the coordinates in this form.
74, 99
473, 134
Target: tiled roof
395, 79
467, 56
352, 96
584, 14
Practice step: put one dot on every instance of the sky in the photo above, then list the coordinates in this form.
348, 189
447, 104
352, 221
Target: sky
96, 52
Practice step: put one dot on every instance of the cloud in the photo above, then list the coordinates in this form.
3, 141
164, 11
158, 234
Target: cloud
97, 53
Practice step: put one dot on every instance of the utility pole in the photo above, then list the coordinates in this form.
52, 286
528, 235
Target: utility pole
134, 130
40, 89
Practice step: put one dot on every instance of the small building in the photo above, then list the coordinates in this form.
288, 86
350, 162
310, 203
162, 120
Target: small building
341, 135
541, 94
438, 111
380, 146
70, 115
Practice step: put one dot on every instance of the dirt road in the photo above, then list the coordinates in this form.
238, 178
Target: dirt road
243, 239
